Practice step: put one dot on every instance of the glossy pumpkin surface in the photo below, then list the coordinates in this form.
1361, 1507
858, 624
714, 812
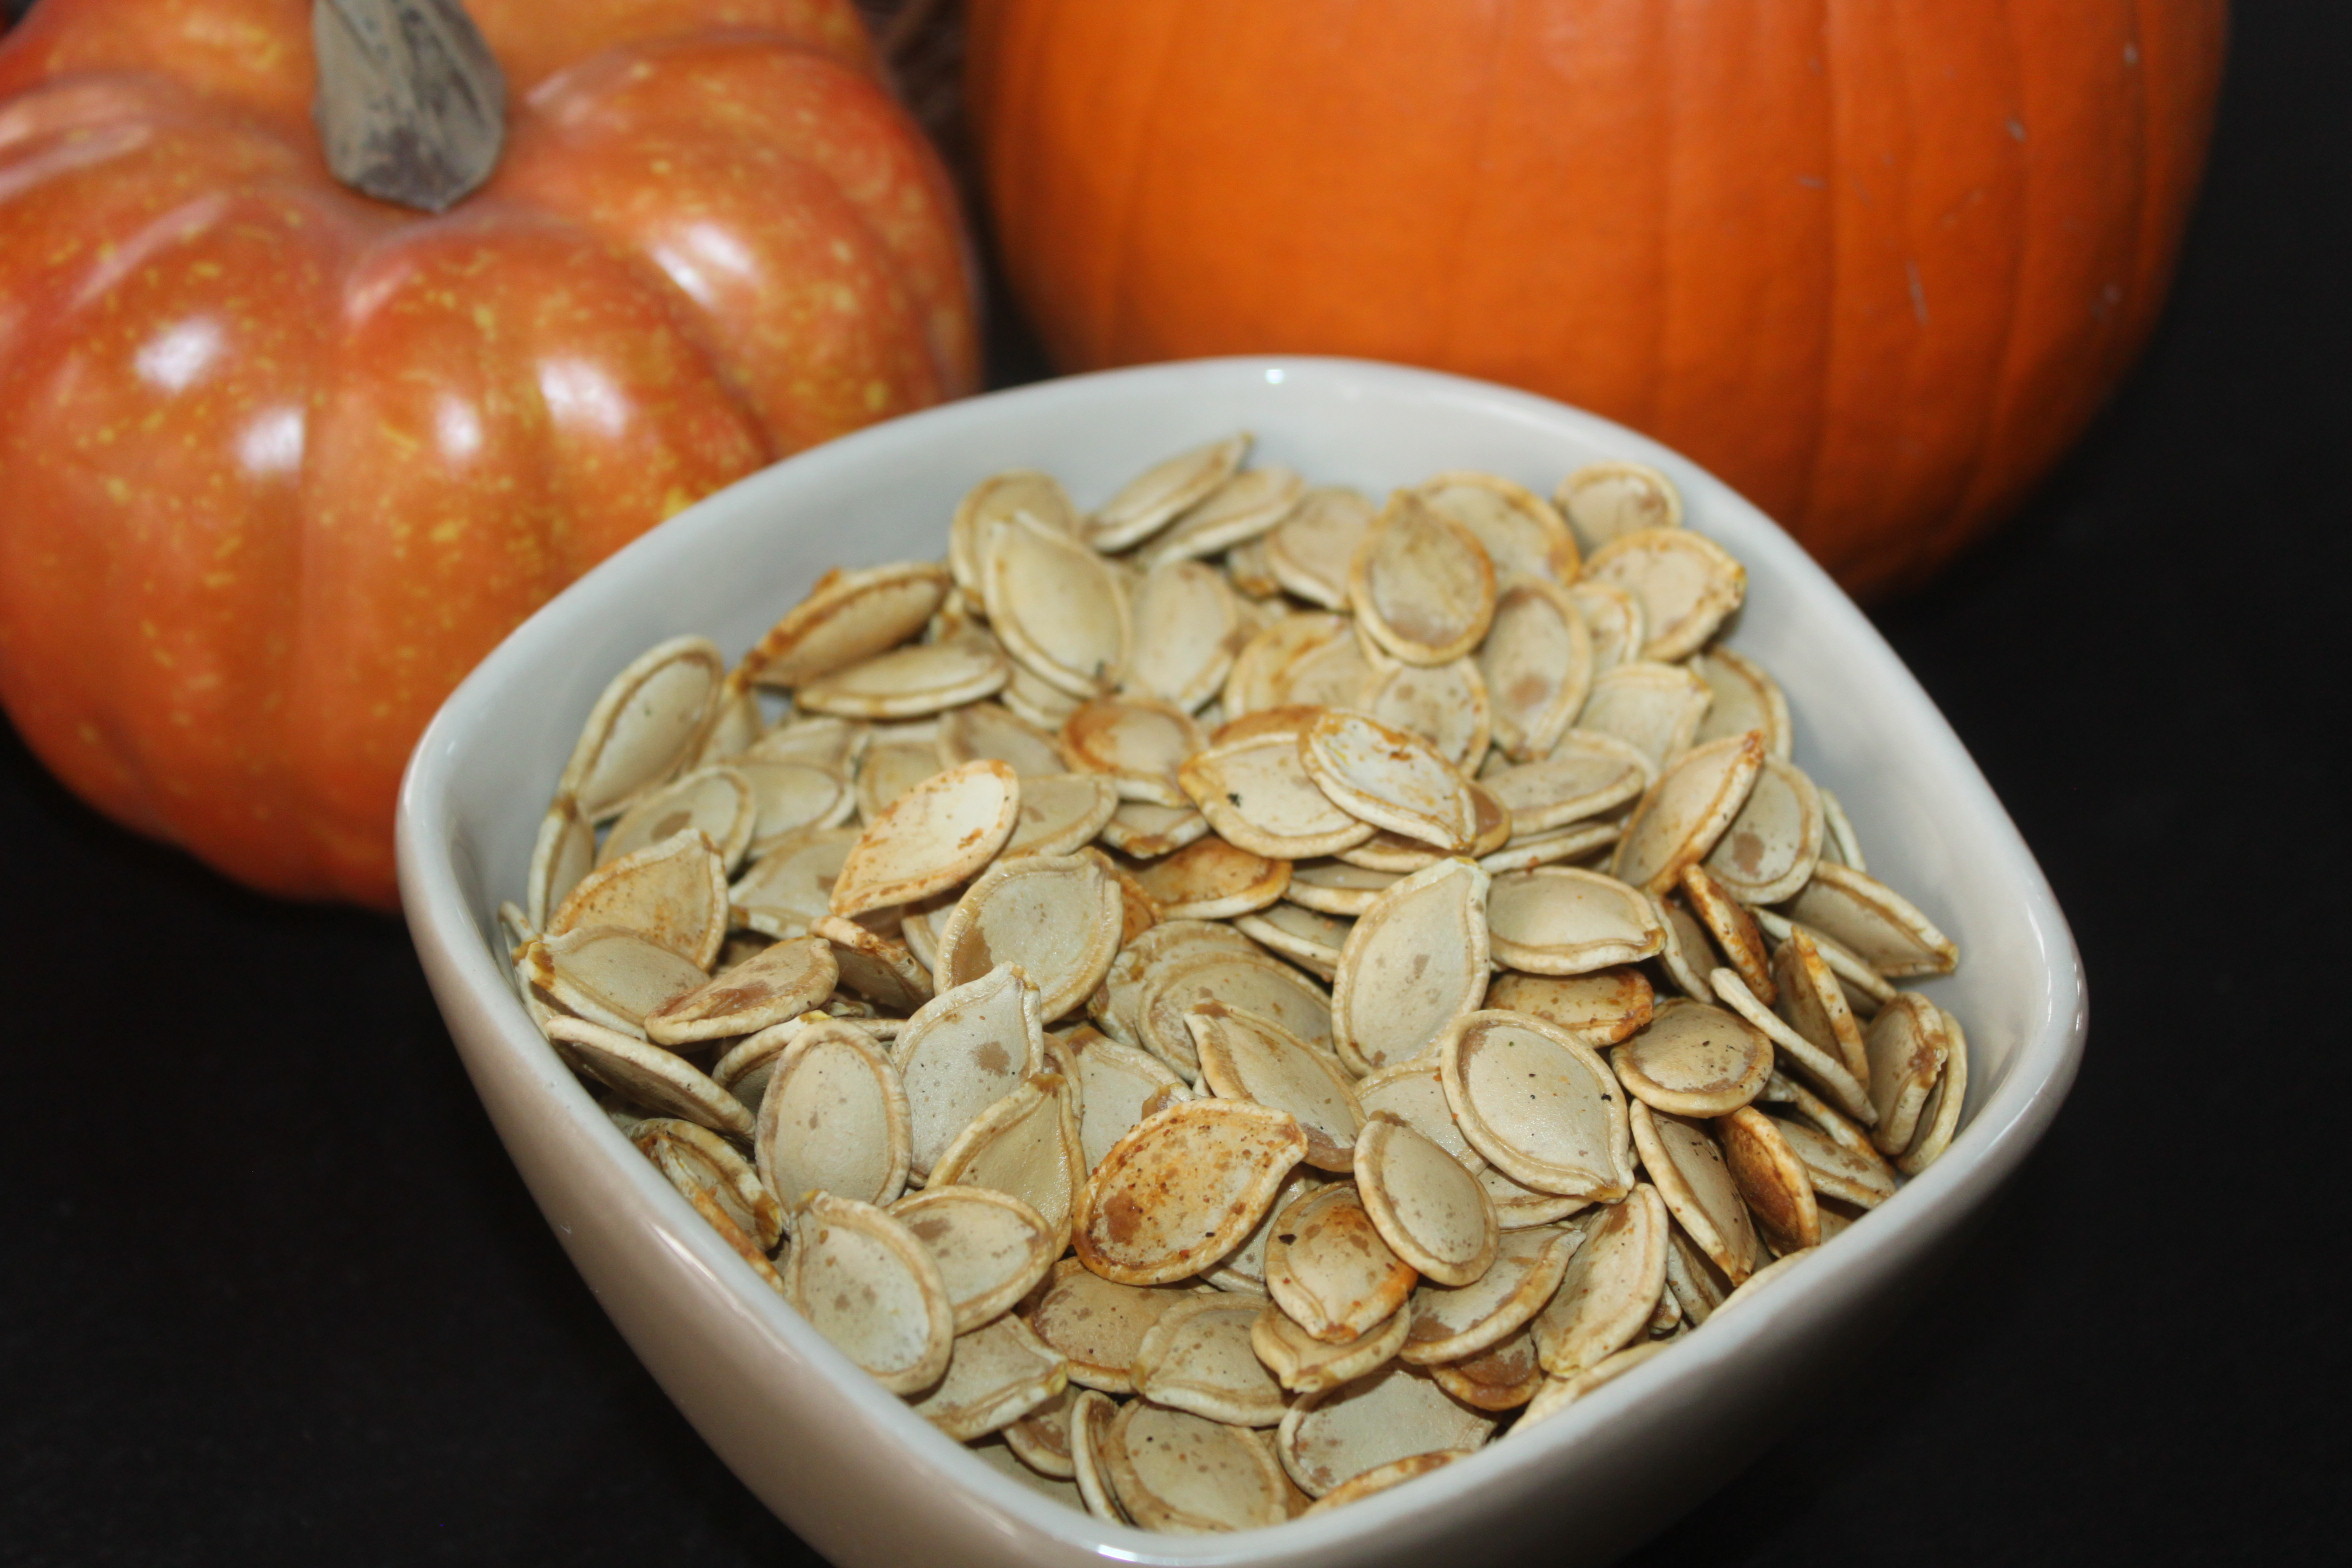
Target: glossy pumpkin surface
1875, 264
280, 463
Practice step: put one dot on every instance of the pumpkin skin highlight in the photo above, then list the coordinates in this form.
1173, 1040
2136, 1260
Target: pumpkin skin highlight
282, 462
1874, 264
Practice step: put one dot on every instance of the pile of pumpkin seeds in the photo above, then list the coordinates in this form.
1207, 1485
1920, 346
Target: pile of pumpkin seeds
1230, 1001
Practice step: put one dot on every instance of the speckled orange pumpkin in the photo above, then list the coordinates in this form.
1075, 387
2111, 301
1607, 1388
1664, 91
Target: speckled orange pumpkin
279, 463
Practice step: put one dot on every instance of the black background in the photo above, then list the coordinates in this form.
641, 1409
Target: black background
270, 1291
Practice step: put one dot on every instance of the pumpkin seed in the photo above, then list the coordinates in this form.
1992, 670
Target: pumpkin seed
1308, 939
994, 500
1745, 698
1115, 1083
1576, 841
1874, 922
1390, 778
1415, 962
1814, 1004
1035, 701
1246, 981
1025, 1144
1836, 1168
1521, 533
644, 725
1655, 708
1256, 793
1613, 620
1697, 1285
1769, 851
790, 886
1600, 1008
717, 800
1244, 507
889, 771
962, 1052
1428, 1208
1557, 920
1766, 1277
648, 1075
1117, 1004
1211, 880
1091, 1415
1772, 1180
1688, 953
1332, 674
1309, 550
1137, 742
1041, 1441
1560, 1392
823, 739
1850, 1093
1497, 1379
995, 1375
1399, 1411
673, 893
833, 1119
1380, 1478
1329, 1268
791, 797
1694, 1060
1059, 608
1685, 812
863, 1281
608, 975
1333, 887
1306, 1365
1421, 584
1057, 916
1866, 989
710, 1175
1687, 584
1183, 1188
564, 852
1198, 1357
1939, 1119
1907, 1048
1454, 1323
778, 982
1060, 814
1602, 501
991, 1248
1538, 1104
1537, 660
872, 965
1246, 1057
848, 618
980, 730
1445, 704
1688, 1169
1176, 1471
1153, 498
1251, 684
908, 682
1838, 842
1146, 832
1187, 630
937, 834
1097, 1325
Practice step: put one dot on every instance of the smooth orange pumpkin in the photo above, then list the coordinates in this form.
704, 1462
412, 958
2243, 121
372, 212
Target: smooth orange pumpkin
1876, 263
279, 463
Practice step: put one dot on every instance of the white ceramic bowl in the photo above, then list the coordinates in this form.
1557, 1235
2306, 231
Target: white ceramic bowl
859, 1476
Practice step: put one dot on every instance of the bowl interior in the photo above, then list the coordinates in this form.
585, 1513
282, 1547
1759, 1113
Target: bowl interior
730, 565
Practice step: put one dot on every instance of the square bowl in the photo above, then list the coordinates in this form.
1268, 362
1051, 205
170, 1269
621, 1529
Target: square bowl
861, 1477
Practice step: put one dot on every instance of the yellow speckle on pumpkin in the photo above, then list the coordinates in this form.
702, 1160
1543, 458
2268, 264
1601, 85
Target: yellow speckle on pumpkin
446, 532
117, 488
676, 501
877, 395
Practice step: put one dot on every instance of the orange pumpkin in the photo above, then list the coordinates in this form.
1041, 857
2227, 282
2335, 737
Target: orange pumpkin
1874, 264
280, 462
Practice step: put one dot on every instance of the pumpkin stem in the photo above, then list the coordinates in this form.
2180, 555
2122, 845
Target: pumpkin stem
411, 107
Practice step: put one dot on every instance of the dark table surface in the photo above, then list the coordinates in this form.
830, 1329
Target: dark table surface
270, 1291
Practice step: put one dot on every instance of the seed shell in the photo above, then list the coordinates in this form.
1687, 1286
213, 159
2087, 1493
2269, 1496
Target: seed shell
1382, 1477
1654, 708
1153, 498
1686, 811
1136, 742
988, 730
1694, 1060
1422, 585
1745, 698
717, 800
937, 834
1187, 629
1243, 508
962, 1052
607, 975
1309, 550
1874, 922
1602, 501
991, 1248
1613, 619
644, 725
1851, 1094
1599, 1009
1939, 1119
848, 617
1245, 1057
1520, 531
1538, 662
1585, 774
1538, 1104
1057, 916
1425, 1204
1183, 1188
1415, 962
1330, 1438
1390, 778
1212, 880
1689, 1171
1498, 1379
1329, 1268
1687, 584
1173, 1470
863, 1281
1025, 1144
648, 1075
833, 1119
1907, 1047
779, 982
1772, 1180
996, 1374
908, 682
994, 500
1198, 1357
1454, 1322
1558, 920
673, 892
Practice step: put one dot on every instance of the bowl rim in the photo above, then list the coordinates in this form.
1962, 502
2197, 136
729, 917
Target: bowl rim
456, 948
